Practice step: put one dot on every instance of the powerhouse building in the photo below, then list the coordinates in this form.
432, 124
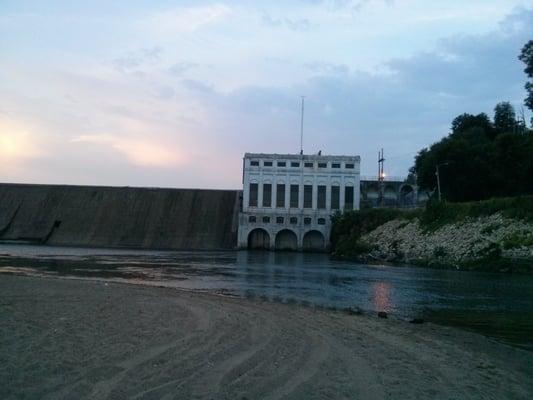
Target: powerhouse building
288, 199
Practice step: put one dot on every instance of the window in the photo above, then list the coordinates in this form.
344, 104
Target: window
348, 198
349, 166
308, 165
267, 163
253, 194
322, 165
335, 165
251, 219
254, 163
335, 197
267, 195
280, 220
307, 221
321, 197
308, 196
280, 195
321, 221
295, 164
293, 220
266, 220
294, 196
282, 164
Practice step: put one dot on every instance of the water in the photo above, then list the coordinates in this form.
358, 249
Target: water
497, 305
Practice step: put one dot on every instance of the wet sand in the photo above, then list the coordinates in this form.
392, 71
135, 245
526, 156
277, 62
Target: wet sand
68, 339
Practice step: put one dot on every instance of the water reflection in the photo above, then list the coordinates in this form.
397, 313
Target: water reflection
381, 296
496, 304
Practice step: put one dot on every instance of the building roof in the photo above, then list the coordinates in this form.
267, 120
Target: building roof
311, 157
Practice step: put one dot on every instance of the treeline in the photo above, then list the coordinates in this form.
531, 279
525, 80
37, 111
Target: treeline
483, 158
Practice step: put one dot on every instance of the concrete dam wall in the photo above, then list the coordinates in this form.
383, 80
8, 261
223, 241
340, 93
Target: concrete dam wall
145, 218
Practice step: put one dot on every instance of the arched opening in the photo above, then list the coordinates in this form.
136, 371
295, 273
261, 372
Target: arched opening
258, 239
389, 193
422, 196
372, 192
314, 241
286, 240
407, 194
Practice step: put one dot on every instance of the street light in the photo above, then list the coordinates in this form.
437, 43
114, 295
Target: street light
438, 178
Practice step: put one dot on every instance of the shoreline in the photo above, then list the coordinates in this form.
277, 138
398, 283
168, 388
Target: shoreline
487, 325
88, 339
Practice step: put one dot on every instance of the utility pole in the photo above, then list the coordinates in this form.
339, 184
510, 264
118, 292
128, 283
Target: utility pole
381, 175
438, 179
438, 182
522, 123
302, 127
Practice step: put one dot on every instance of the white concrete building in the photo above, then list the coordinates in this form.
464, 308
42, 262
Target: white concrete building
288, 199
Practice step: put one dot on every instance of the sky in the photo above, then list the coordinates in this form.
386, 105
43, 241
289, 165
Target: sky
173, 93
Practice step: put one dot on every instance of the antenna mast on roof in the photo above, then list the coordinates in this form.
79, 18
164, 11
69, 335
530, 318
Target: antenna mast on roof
302, 128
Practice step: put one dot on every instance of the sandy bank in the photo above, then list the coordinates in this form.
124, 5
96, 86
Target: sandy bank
81, 339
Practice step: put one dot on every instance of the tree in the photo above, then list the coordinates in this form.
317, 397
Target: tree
526, 56
477, 161
464, 122
504, 118
480, 159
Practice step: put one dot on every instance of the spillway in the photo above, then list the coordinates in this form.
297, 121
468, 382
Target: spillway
122, 217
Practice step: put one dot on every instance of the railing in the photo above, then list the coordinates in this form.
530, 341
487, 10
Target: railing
386, 178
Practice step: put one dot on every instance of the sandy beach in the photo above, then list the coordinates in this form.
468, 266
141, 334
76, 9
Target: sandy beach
69, 339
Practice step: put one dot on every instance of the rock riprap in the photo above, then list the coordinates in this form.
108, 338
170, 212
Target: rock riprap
453, 244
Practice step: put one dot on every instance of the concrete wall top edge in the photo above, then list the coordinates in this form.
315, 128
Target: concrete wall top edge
314, 157
58, 185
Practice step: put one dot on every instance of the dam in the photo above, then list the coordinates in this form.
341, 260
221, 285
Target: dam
286, 203
121, 217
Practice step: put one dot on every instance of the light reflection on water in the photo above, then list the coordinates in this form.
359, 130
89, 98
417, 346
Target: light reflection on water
499, 305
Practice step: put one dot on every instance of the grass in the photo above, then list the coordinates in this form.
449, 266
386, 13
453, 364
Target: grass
438, 214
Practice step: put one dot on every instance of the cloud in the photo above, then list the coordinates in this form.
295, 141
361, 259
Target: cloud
404, 107
197, 86
354, 6
324, 68
139, 151
186, 19
465, 66
301, 24
217, 84
134, 60
180, 68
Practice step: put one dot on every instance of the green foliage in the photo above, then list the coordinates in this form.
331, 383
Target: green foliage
478, 161
526, 56
348, 227
351, 225
505, 118
351, 248
517, 240
488, 229
439, 252
465, 122
439, 214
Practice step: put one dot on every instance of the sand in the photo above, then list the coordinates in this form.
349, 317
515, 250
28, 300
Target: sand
68, 339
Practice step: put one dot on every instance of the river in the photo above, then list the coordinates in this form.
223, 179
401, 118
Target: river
496, 305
